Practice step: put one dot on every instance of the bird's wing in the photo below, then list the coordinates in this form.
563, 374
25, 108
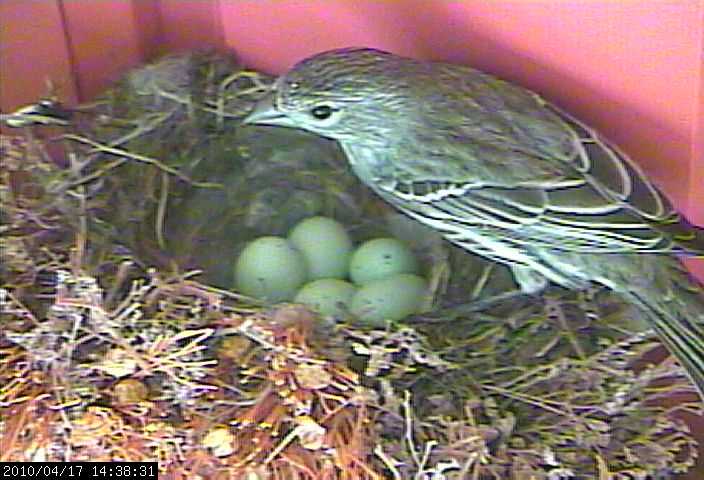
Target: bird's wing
544, 178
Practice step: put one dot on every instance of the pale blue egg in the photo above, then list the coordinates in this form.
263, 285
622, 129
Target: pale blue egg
270, 268
389, 299
380, 258
328, 296
325, 245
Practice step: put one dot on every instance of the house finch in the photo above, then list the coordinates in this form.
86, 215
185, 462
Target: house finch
504, 174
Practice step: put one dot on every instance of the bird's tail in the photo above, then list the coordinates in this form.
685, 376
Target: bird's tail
674, 305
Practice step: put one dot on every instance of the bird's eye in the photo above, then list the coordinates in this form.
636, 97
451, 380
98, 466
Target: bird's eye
322, 112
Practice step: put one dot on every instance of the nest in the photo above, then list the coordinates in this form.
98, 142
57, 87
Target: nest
120, 337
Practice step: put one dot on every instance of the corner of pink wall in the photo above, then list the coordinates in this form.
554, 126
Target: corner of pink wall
191, 24
33, 49
104, 42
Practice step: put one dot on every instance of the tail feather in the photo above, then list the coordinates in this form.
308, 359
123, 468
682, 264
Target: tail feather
678, 319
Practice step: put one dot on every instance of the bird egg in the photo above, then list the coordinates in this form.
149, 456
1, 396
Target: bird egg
389, 299
328, 296
325, 245
380, 258
270, 268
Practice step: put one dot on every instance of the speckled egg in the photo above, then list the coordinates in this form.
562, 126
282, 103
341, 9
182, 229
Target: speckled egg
380, 258
270, 268
325, 245
392, 298
328, 296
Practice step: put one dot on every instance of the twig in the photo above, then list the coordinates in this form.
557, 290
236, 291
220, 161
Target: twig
142, 128
140, 158
388, 461
161, 210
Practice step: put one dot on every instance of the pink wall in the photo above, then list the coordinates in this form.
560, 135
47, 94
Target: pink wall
634, 70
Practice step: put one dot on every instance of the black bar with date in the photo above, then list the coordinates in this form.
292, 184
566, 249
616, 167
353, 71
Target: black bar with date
79, 470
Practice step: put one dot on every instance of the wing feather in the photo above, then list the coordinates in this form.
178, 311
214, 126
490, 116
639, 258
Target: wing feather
598, 200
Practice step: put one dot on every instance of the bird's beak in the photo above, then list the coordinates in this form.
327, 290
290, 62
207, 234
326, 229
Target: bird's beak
266, 113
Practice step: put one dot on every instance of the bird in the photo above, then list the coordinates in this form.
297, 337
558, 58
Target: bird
505, 174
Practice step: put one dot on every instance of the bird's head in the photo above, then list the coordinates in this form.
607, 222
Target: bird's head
355, 95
